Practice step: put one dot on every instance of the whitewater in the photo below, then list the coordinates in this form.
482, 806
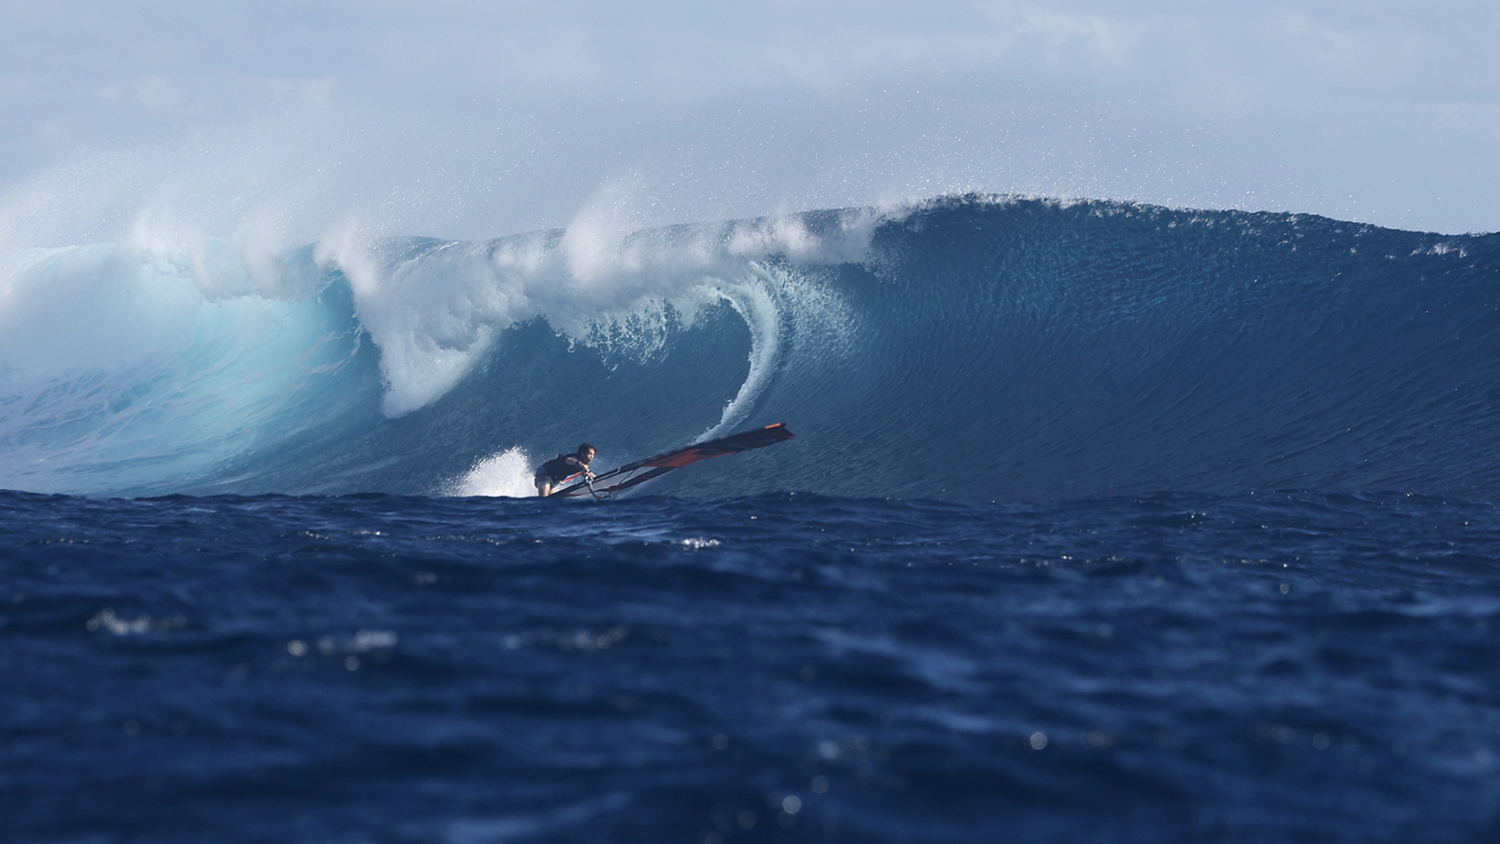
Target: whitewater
1103, 522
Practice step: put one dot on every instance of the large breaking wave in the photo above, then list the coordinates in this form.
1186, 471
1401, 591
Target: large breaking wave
965, 348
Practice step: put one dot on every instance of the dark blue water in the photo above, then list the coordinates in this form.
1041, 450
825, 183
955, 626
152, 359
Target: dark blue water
1029, 571
1260, 667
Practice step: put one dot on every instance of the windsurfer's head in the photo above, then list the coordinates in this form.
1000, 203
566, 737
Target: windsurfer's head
586, 452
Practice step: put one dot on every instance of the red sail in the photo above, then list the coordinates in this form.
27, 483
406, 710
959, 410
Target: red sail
631, 474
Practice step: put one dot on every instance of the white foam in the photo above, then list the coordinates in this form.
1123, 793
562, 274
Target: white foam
506, 475
782, 309
757, 307
435, 313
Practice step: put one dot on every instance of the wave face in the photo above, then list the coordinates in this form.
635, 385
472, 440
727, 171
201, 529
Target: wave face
968, 348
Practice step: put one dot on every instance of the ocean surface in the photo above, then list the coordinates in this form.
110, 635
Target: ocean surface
1103, 522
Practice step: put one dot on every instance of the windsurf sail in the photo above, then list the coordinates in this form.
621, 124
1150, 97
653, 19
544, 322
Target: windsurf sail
608, 484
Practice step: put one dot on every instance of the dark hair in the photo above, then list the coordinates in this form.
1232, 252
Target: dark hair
587, 447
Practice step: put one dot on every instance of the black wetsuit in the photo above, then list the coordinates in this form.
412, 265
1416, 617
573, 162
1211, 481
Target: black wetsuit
560, 468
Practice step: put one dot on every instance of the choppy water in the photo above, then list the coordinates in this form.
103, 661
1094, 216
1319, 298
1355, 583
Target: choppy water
790, 667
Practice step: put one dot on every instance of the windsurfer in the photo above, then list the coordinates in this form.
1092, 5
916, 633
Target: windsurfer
564, 466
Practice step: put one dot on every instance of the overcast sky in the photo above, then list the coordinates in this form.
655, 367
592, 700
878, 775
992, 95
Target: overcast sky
462, 118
